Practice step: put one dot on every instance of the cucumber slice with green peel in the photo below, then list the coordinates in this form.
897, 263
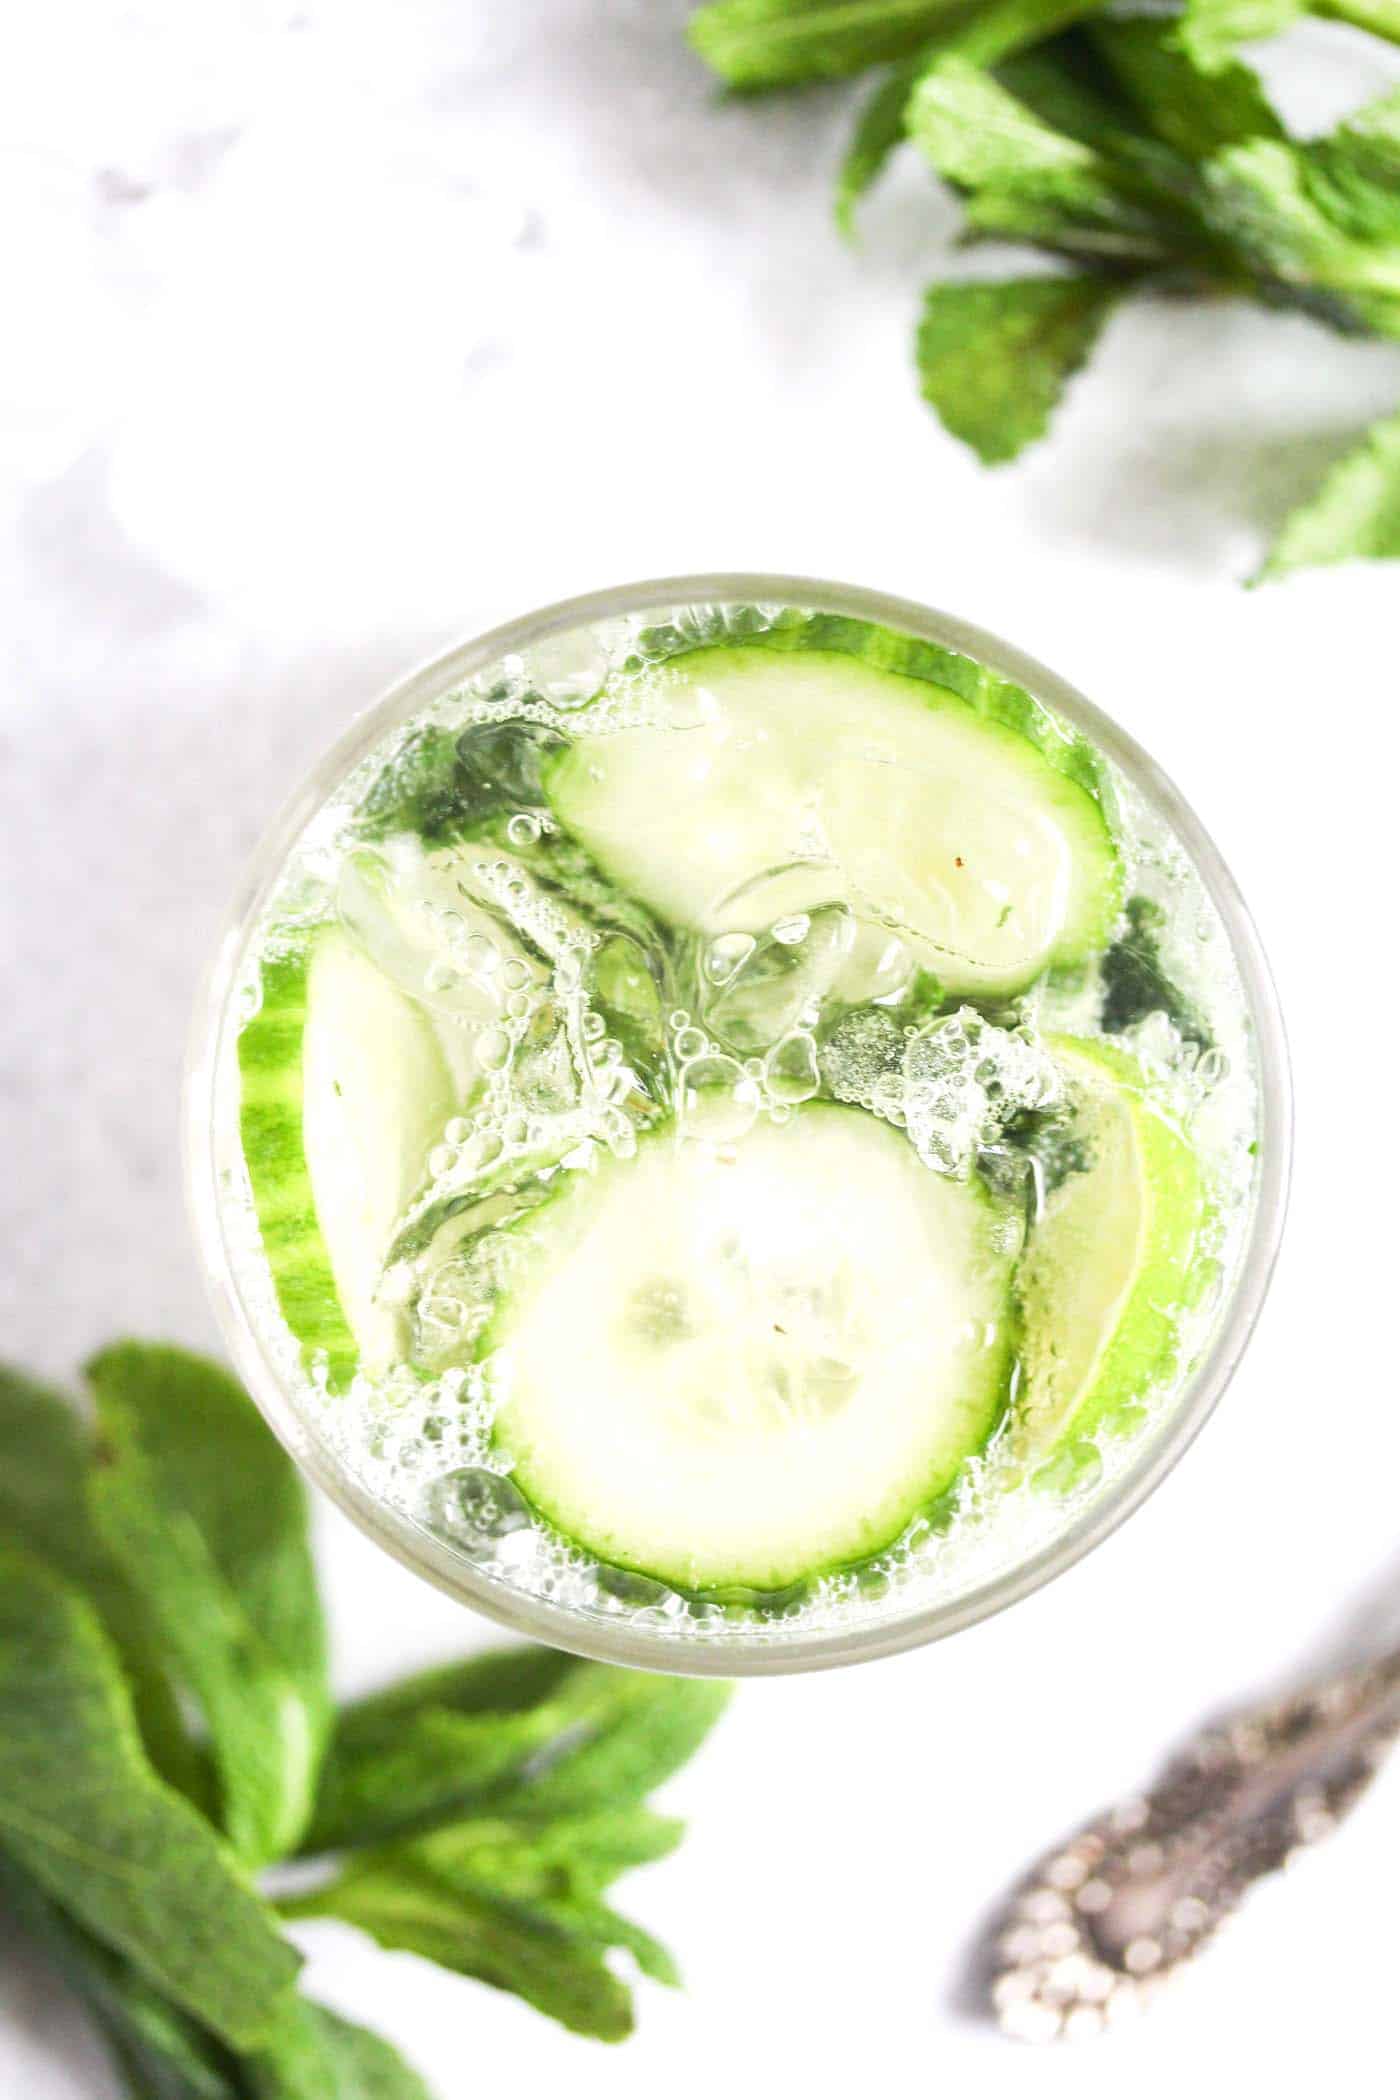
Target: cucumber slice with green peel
345, 1091
736, 1370
1106, 1264
780, 779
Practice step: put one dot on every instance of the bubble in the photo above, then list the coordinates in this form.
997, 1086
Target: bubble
441, 1160
568, 670
477, 1508
1072, 1470
515, 973
523, 830
790, 1072
518, 1005
594, 1028
482, 1150
691, 1043
679, 1019
725, 954
618, 1133
718, 1100
1211, 1067
493, 1049
780, 978
458, 1131
963, 1080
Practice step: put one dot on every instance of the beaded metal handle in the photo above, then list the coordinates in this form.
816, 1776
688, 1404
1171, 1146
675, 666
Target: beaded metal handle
1105, 1919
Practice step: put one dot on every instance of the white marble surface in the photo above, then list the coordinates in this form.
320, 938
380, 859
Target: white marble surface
342, 330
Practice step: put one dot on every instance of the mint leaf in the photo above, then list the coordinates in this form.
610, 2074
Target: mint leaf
1355, 515
984, 35
994, 359
513, 1906
780, 43
402, 1902
1135, 984
1210, 30
1024, 179
879, 131
316, 2055
86, 1818
1318, 224
524, 1730
434, 1746
204, 1512
512, 1893
1192, 110
1354, 175
163, 2054
46, 1450
628, 1731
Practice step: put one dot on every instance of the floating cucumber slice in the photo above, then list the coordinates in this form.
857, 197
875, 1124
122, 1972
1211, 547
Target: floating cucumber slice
733, 1371
345, 1091
1106, 1264
784, 775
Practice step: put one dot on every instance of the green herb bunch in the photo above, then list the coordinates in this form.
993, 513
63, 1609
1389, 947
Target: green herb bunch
1134, 147
167, 1733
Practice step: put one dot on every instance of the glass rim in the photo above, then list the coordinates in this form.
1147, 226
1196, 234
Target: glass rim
774, 1652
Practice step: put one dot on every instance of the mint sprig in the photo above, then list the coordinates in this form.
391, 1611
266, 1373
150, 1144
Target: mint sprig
1141, 156
198, 1506
478, 1814
86, 1818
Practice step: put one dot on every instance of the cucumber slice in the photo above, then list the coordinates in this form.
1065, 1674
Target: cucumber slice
781, 780
345, 1091
732, 1371
1106, 1263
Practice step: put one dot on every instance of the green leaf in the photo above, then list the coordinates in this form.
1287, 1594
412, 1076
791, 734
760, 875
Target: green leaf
514, 1906
780, 43
163, 2053
46, 1452
1194, 111
626, 1733
878, 132
1210, 30
984, 35
432, 1747
87, 1819
1135, 984
316, 2055
1355, 515
580, 1856
1354, 174
512, 1893
523, 1728
402, 1902
1024, 179
205, 1513
1374, 17
994, 359
1319, 224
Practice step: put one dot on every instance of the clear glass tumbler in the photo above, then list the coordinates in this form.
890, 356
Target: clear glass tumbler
924, 1608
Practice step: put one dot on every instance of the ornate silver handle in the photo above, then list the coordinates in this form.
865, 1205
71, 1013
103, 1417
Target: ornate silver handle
1106, 1918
